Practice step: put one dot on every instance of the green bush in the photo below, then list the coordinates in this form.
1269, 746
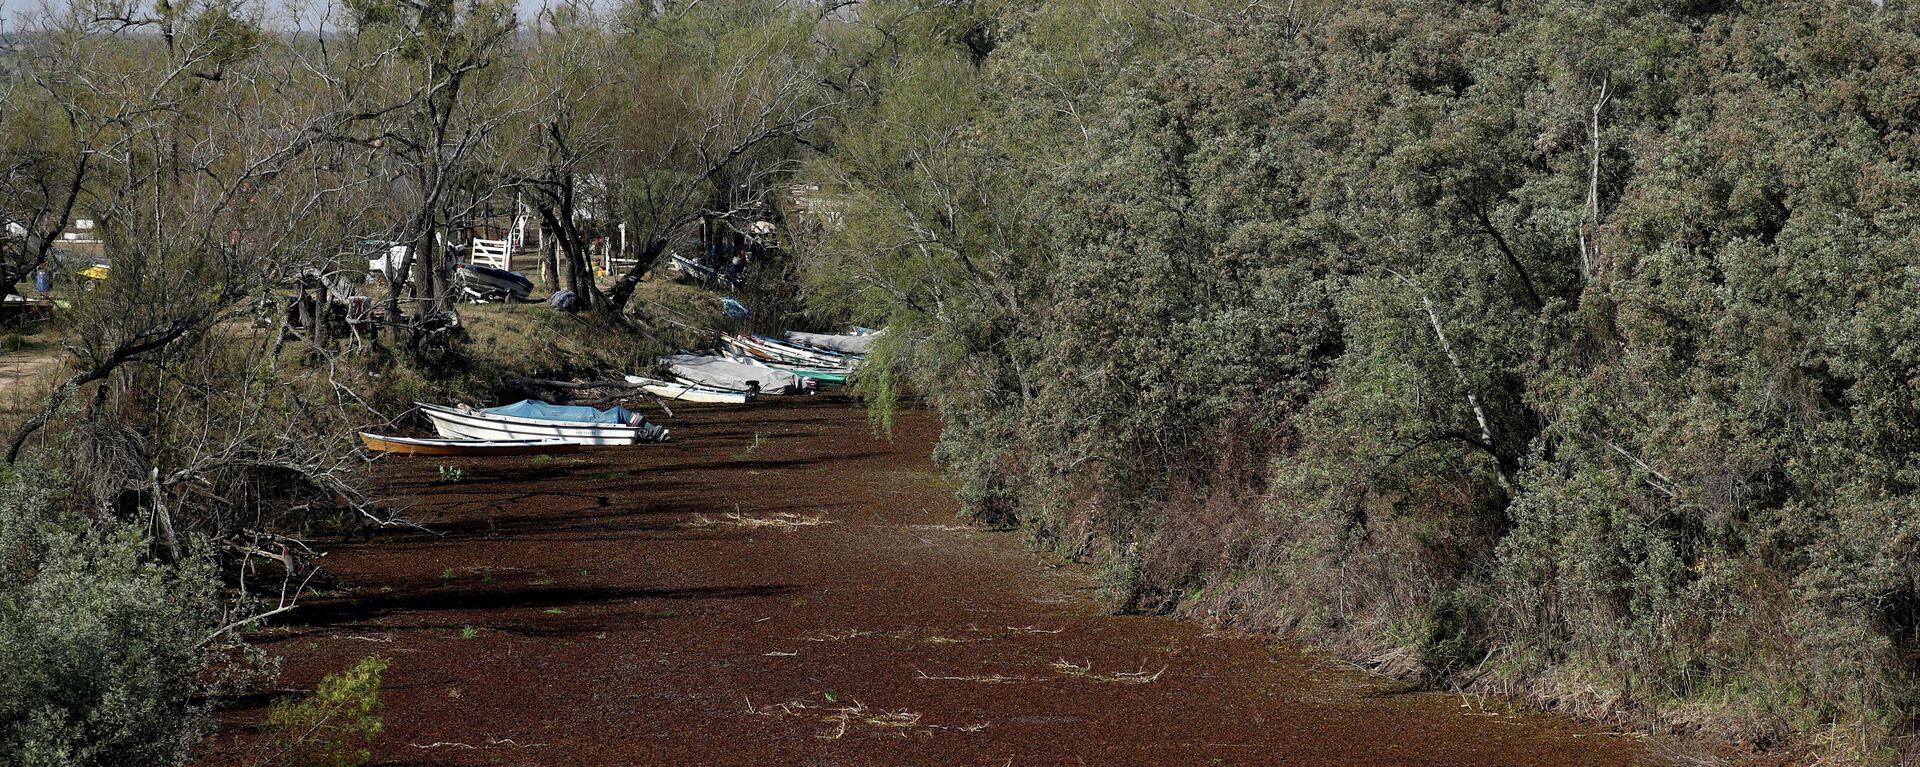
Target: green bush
334, 726
1567, 351
103, 652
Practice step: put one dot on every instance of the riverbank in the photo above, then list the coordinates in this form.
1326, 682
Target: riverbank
779, 586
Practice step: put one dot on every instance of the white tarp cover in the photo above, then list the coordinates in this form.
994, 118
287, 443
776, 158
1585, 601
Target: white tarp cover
838, 343
389, 263
727, 374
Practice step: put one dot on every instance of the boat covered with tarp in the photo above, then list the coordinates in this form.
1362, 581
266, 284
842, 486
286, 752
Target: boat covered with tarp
847, 343
547, 411
533, 419
822, 377
721, 373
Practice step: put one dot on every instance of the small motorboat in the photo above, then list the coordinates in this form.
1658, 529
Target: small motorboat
824, 377
457, 447
687, 392
482, 281
533, 419
715, 372
782, 352
842, 343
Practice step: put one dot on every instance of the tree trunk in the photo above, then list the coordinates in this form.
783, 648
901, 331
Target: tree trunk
549, 263
572, 246
622, 291
322, 312
422, 280
579, 269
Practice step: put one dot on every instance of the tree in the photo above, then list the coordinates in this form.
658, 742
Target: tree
721, 99
571, 125
424, 78
192, 421
43, 169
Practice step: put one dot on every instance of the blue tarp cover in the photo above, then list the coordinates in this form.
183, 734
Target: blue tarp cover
546, 411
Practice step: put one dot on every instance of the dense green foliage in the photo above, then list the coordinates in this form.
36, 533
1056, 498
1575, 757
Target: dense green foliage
333, 726
1560, 348
103, 652
1564, 349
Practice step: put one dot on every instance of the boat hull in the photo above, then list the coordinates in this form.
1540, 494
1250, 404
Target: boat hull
464, 447
775, 351
678, 392
820, 376
489, 281
722, 373
853, 344
462, 424
838, 379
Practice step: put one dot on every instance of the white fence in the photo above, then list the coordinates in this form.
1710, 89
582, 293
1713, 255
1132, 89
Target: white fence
495, 253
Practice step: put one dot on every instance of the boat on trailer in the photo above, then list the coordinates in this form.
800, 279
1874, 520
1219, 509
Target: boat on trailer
687, 392
469, 423
465, 447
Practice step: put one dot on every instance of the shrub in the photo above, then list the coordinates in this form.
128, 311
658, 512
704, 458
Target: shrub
1413, 328
334, 726
102, 650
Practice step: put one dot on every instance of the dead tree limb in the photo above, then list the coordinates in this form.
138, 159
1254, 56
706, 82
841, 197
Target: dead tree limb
1466, 386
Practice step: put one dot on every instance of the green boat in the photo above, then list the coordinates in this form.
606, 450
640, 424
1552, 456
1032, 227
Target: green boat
825, 377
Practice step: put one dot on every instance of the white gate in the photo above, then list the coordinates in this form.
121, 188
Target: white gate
495, 253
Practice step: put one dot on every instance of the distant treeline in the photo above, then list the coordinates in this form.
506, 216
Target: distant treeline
1565, 349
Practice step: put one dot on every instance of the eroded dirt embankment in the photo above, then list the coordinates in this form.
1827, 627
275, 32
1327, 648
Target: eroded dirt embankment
779, 587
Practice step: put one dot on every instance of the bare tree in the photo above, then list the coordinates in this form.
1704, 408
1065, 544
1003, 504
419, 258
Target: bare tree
190, 415
419, 73
724, 120
568, 135
44, 159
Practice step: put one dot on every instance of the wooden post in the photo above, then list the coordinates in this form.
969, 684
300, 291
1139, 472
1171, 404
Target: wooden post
322, 312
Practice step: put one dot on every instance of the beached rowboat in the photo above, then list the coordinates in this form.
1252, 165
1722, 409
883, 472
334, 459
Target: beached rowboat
843, 343
685, 392
829, 377
466, 423
721, 373
418, 446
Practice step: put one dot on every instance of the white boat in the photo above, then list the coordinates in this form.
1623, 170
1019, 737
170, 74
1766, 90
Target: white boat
467, 423
465, 447
721, 373
819, 375
843, 343
686, 392
778, 351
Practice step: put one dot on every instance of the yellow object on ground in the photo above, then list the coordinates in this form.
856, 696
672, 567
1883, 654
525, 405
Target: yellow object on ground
95, 272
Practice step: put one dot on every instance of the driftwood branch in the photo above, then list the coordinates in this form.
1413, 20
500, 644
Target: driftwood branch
1460, 373
127, 351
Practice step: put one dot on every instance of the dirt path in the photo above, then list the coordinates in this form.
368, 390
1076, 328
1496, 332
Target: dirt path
25, 375
621, 614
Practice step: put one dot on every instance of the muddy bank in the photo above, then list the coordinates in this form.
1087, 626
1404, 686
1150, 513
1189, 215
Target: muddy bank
779, 587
